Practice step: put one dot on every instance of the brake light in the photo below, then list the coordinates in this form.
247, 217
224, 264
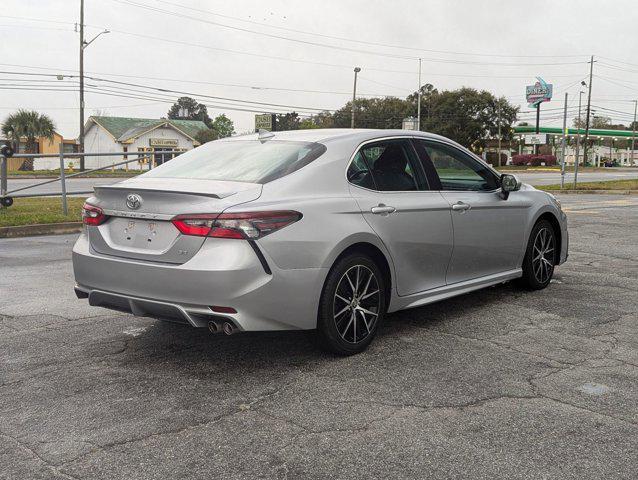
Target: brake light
92, 215
245, 225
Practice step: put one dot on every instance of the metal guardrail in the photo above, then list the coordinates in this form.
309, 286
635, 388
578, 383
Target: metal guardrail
7, 196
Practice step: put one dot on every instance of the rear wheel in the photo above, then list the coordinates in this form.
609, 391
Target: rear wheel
352, 305
538, 265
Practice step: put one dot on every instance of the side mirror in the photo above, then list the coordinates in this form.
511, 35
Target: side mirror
509, 183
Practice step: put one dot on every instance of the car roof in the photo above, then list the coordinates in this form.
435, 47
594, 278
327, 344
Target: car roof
324, 135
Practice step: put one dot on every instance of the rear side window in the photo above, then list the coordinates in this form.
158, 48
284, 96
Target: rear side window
387, 166
241, 161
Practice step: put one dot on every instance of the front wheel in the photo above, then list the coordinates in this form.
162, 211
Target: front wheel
538, 265
352, 305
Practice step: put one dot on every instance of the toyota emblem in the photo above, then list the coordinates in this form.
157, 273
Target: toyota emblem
133, 201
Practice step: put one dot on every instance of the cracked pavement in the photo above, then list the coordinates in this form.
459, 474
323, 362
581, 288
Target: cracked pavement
500, 383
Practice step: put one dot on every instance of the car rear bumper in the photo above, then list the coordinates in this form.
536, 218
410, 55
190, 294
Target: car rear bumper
224, 272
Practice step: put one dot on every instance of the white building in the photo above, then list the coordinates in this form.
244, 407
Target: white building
124, 134
606, 145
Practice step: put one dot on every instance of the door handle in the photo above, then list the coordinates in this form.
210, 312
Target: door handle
382, 209
461, 206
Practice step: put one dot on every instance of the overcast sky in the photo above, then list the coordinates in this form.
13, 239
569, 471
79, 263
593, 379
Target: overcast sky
499, 45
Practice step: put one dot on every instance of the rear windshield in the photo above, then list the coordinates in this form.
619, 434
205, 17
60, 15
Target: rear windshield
240, 161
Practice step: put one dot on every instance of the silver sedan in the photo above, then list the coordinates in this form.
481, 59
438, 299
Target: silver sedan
318, 229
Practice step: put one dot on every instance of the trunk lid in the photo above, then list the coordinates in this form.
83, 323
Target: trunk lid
141, 229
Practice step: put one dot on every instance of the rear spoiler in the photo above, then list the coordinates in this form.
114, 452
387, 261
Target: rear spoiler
146, 189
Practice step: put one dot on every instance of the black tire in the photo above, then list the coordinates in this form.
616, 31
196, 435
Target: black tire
540, 256
345, 328
6, 201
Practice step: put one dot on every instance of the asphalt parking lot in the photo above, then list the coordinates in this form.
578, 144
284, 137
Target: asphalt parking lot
500, 383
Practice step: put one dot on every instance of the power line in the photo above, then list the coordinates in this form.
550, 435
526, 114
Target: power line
337, 47
616, 83
618, 61
305, 32
252, 87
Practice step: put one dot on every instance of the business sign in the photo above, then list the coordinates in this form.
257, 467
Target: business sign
536, 139
410, 123
264, 121
163, 142
538, 93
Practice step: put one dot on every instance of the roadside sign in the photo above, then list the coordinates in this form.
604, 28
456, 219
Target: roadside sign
410, 123
163, 142
536, 139
538, 93
264, 121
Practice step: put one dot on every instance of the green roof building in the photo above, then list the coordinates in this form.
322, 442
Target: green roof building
105, 134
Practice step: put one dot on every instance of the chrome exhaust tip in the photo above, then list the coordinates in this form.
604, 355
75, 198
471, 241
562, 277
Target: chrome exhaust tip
213, 327
229, 328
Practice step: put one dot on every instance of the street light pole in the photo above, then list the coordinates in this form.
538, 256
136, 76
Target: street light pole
591, 74
580, 97
498, 161
418, 100
633, 133
354, 95
81, 136
83, 45
563, 145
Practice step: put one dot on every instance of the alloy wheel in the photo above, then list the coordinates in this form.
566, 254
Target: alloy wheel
356, 304
543, 255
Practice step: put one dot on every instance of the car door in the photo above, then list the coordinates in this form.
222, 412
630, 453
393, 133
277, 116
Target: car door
488, 230
413, 221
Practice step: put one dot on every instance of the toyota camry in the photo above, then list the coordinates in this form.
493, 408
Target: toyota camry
325, 230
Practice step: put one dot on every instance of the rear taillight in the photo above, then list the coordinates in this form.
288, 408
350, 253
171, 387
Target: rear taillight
92, 215
245, 225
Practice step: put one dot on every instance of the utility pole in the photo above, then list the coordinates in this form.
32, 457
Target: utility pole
83, 45
591, 74
354, 95
633, 133
418, 101
538, 124
563, 145
499, 136
580, 97
81, 136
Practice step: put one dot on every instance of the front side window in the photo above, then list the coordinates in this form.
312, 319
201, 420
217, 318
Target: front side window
455, 169
385, 166
241, 161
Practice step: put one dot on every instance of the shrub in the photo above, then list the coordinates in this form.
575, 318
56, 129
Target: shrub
534, 160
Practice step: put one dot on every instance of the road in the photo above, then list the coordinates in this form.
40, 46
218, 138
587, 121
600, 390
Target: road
499, 383
553, 178
538, 178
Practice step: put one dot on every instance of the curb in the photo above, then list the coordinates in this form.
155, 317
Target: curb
40, 229
594, 192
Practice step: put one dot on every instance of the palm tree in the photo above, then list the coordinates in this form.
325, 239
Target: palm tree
30, 125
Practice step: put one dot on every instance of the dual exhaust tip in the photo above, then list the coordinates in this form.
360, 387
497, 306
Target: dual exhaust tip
218, 327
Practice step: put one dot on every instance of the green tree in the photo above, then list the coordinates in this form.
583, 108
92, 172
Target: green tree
387, 112
598, 121
468, 116
187, 108
287, 121
223, 126
29, 125
206, 135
